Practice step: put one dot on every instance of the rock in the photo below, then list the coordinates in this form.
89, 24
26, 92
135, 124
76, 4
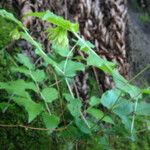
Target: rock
138, 46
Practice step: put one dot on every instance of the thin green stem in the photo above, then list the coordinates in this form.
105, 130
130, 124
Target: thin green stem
141, 72
82, 116
42, 96
68, 57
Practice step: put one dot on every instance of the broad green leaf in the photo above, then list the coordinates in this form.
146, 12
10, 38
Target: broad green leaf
71, 67
71, 132
51, 121
75, 107
143, 109
25, 61
98, 114
56, 20
49, 94
63, 51
146, 91
38, 75
22, 70
110, 97
33, 109
123, 107
126, 121
97, 61
18, 87
94, 101
68, 97
108, 119
82, 126
83, 47
122, 84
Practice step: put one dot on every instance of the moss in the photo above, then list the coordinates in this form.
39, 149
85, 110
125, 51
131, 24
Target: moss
19, 138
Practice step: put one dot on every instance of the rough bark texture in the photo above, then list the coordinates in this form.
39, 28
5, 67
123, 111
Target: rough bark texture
101, 21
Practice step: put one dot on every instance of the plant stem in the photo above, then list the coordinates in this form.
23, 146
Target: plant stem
86, 122
38, 88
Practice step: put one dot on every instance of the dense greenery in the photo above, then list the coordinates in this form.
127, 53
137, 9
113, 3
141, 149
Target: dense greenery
45, 91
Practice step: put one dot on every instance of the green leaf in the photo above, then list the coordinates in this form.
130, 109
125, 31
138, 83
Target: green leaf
75, 107
97, 61
94, 101
143, 109
39, 50
70, 132
146, 91
60, 42
123, 108
18, 87
62, 51
56, 20
82, 126
84, 47
51, 121
122, 84
110, 97
38, 75
25, 61
98, 114
71, 67
33, 109
22, 70
49, 94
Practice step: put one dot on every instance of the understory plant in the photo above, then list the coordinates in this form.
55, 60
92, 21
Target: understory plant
46, 90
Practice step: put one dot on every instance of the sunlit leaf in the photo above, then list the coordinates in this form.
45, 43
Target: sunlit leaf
97, 61
75, 107
25, 61
84, 47
56, 20
94, 101
38, 75
123, 85
71, 67
110, 97
146, 91
18, 87
49, 94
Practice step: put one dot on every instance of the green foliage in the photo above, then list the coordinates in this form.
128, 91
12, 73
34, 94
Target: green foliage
34, 89
49, 94
5, 30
